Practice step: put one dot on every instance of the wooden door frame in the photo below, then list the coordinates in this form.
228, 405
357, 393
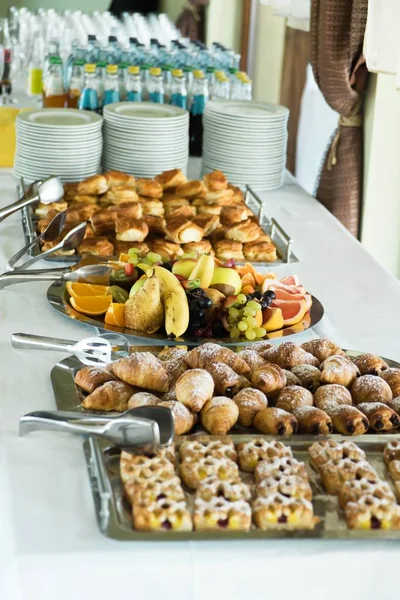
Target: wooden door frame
247, 42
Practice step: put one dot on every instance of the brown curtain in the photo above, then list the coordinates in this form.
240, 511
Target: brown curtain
191, 20
337, 34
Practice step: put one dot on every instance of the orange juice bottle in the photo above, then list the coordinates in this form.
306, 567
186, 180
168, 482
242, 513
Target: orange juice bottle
54, 94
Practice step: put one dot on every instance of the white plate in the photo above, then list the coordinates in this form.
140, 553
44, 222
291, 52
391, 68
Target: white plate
144, 110
58, 117
247, 110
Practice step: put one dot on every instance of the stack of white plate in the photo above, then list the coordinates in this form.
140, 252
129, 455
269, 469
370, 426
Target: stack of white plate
58, 141
247, 141
145, 139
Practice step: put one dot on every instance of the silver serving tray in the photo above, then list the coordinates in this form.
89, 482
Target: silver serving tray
281, 239
113, 512
57, 296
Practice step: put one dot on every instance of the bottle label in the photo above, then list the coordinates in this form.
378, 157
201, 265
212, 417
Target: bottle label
198, 105
110, 96
89, 100
134, 96
179, 100
156, 97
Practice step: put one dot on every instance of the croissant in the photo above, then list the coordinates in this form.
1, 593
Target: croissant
322, 349
292, 397
226, 381
288, 355
194, 388
249, 402
291, 378
381, 417
339, 369
347, 420
269, 378
143, 370
113, 395
182, 231
275, 421
172, 352
370, 364
143, 399
395, 404
174, 368
369, 388
392, 378
261, 346
309, 376
332, 394
252, 358
219, 415
90, 378
184, 419
202, 356
313, 420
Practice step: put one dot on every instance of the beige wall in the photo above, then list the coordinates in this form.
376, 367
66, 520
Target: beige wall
224, 23
172, 8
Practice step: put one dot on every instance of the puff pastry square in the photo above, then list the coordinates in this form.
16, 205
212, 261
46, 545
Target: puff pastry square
221, 515
194, 472
278, 512
251, 453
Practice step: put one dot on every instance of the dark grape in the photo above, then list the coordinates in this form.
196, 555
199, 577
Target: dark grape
249, 297
257, 295
195, 324
200, 314
218, 329
198, 333
270, 294
208, 333
167, 266
264, 304
198, 292
205, 302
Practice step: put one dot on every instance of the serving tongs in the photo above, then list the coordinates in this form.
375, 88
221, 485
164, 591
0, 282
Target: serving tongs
145, 429
94, 274
48, 191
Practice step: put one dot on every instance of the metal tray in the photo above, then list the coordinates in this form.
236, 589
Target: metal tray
113, 512
281, 239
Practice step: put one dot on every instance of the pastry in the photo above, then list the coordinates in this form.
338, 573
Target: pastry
334, 473
207, 209
152, 206
290, 486
124, 247
233, 214
369, 388
168, 250
245, 231
112, 395
287, 355
93, 186
219, 514
181, 231
189, 212
49, 245
395, 404
323, 452
219, 415
215, 181
370, 364
381, 417
372, 513
202, 247
84, 199
90, 378
355, 489
184, 419
193, 472
103, 222
169, 180
162, 516
275, 421
191, 189
291, 378
228, 249
347, 420
249, 402
131, 230
171, 202
149, 188
309, 376
261, 346
394, 469
141, 469
293, 397
143, 370
194, 388
392, 451
260, 251
174, 368
50, 210
171, 353
202, 356
252, 358
278, 512
322, 349
392, 378
276, 466
201, 447
333, 393
340, 370
155, 224
154, 490
78, 214
143, 399
99, 246
232, 491
127, 210
238, 195
208, 223
250, 454
118, 178
312, 420
269, 378
226, 381
121, 193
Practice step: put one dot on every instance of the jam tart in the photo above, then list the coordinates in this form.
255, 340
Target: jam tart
154, 490
162, 516
193, 450
336, 472
353, 490
140, 467
323, 452
372, 513
286, 465
391, 451
219, 514
278, 512
251, 453
289, 486
233, 491
194, 472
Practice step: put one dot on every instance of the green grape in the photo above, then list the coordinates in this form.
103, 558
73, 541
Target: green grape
189, 255
250, 334
233, 312
241, 299
260, 332
251, 321
253, 305
153, 257
242, 325
235, 332
133, 251
134, 259
258, 307
247, 312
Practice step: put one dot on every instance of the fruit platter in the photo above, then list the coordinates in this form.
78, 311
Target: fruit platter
190, 300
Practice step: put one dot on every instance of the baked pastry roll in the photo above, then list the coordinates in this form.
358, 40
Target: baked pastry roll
347, 420
77, 214
99, 246
313, 420
233, 214
119, 178
202, 447
181, 231
226, 381
162, 516
174, 368
251, 453
194, 472
216, 180
276, 466
142, 369
149, 188
245, 231
194, 388
202, 356
290, 486
293, 397
168, 250
370, 364
70, 190
275, 421
380, 416
219, 514
394, 469
84, 199
172, 353
278, 512
322, 349
372, 513
124, 247
340, 370
143, 399
208, 223
252, 358
152, 206
335, 473
112, 395
333, 393
122, 193
127, 210
207, 209
184, 419
260, 251
261, 346
395, 405
203, 247
355, 489
228, 249
90, 378
269, 378
93, 186
153, 491
155, 224
131, 230
169, 180
49, 211
189, 212
191, 189
249, 402
309, 376
392, 378
391, 451
231, 491
141, 469
219, 415
291, 378
287, 355
369, 388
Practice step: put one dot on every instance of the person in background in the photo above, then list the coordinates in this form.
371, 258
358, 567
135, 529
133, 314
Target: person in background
191, 20
117, 7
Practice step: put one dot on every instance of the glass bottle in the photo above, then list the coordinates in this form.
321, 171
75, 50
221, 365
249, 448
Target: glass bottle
54, 51
134, 85
54, 94
221, 88
89, 99
101, 78
145, 77
211, 78
122, 79
199, 100
76, 83
113, 50
178, 89
156, 86
35, 71
111, 89
167, 80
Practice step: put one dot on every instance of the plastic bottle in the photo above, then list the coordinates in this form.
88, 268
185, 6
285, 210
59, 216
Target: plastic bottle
101, 78
247, 88
167, 80
211, 78
188, 74
111, 89
54, 51
134, 85
178, 89
200, 97
156, 86
113, 50
76, 83
92, 50
89, 99
35, 72
122, 79
221, 88
69, 62
54, 93
145, 78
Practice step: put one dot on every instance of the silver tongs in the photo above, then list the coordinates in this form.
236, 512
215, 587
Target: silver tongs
48, 191
95, 274
145, 429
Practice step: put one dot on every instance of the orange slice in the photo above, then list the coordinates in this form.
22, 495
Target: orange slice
91, 305
115, 315
76, 290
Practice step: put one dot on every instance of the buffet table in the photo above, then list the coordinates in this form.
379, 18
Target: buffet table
51, 547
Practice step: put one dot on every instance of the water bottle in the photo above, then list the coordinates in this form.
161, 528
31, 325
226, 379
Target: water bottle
92, 50
69, 62
222, 87
54, 95
154, 52
134, 85
246, 87
188, 74
76, 83
122, 78
211, 78
145, 78
54, 51
35, 71
167, 81
200, 96
156, 86
101, 77
178, 89
111, 87
89, 99
113, 50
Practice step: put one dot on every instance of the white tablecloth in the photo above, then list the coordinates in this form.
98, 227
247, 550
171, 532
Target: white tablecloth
50, 546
